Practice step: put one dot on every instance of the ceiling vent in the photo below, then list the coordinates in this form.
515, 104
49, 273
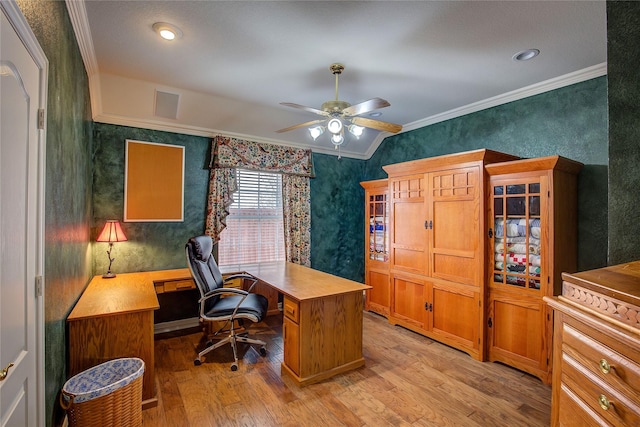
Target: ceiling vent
167, 105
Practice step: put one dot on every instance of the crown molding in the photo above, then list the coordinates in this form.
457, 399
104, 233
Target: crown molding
164, 126
579, 76
80, 23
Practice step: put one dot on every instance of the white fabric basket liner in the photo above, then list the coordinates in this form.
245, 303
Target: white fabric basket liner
102, 379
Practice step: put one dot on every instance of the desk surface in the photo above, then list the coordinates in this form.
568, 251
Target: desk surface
125, 293
132, 292
300, 282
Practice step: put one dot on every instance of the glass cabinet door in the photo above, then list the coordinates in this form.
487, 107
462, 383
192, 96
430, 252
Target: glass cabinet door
517, 234
378, 226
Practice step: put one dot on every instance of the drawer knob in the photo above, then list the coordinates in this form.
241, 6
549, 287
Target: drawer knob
604, 366
604, 402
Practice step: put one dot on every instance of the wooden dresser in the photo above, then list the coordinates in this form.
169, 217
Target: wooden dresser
596, 349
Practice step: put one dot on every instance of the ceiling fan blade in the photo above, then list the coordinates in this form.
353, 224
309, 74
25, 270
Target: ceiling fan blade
376, 124
301, 125
365, 107
302, 107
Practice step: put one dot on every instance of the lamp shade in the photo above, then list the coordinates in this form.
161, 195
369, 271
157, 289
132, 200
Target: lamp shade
112, 232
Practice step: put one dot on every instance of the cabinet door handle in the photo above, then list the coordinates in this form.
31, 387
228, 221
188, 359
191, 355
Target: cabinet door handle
426, 224
604, 366
604, 402
431, 225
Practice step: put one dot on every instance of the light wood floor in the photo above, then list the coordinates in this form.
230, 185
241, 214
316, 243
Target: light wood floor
408, 380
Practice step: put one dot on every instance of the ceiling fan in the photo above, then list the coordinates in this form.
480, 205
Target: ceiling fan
340, 114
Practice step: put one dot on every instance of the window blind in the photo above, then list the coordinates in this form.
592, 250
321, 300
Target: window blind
254, 231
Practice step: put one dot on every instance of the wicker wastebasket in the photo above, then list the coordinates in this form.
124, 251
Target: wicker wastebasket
109, 394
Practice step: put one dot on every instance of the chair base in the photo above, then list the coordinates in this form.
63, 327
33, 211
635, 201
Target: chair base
232, 339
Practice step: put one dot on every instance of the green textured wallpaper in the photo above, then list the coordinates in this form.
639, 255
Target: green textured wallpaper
337, 216
150, 245
623, 58
571, 122
68, 258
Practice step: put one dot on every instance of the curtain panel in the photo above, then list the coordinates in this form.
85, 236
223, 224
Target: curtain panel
296, 167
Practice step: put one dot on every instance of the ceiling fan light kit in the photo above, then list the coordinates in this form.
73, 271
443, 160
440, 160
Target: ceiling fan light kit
339, 115
334, 126
316, 131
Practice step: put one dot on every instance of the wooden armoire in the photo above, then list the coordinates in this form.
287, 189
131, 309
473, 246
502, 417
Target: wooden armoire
437, 247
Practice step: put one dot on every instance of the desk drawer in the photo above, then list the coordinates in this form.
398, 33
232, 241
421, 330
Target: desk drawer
174, 286
291, 309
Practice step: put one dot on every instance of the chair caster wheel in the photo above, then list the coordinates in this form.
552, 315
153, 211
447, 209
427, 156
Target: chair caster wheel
263, 351
197, 362
234, 367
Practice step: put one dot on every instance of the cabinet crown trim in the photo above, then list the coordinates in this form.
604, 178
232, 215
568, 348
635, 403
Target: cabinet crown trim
438, 162
557, 163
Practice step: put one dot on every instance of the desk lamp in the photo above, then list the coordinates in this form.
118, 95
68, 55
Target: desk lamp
112, 232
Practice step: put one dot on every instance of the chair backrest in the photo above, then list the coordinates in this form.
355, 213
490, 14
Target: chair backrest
203, 266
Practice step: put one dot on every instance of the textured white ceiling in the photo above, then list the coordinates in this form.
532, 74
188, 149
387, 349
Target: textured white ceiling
426, 58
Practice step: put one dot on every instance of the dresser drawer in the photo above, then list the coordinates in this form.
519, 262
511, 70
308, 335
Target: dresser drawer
291, 309
574, 413
602, 399
586, 345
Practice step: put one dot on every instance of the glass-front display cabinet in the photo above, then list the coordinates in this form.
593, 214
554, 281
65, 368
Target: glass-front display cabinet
533, 239
517, 238
376, 208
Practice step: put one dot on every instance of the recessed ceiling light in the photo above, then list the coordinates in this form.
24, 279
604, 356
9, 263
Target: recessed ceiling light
167, 31
375, 114
526, 55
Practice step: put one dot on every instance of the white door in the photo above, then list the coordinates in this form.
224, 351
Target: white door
22, 89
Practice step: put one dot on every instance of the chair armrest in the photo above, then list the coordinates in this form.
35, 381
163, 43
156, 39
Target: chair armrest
243, 276
223, 291
238, 276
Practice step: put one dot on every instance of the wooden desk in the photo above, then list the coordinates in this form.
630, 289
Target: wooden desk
322, 320
114, 318
322, 330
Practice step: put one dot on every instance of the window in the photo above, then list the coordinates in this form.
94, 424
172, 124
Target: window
254, 231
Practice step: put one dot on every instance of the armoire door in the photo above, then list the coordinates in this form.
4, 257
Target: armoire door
454, 215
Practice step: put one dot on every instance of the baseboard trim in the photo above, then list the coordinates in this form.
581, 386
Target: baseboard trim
175, 325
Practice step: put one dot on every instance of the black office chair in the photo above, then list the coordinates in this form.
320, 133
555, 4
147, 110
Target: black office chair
220, 304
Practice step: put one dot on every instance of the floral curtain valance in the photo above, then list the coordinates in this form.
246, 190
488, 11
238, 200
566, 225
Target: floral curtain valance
229, 152
296, 167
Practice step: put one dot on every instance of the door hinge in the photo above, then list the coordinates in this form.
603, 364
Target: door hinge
41, 118
490, 323
39, 286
